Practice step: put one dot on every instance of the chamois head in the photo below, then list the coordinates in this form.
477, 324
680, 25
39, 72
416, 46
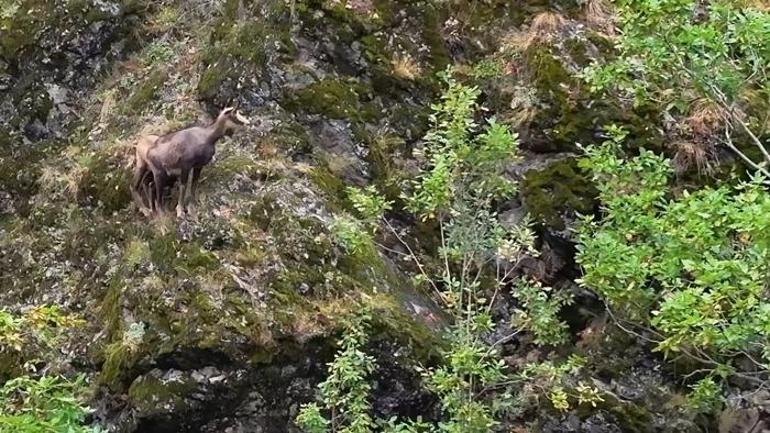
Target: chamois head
231, 118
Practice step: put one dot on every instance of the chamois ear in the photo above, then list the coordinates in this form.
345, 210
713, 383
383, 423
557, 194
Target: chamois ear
228, 110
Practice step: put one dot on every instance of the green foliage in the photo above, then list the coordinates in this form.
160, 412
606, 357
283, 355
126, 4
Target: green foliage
158, 52
368, 203
470, 367
345, 392
694, 267
486, 69
553, 381
705, 395
673, 52
350, 233
311, 420
721, 52
462, 179
48, 404
541, 312
355, 234
464, 165
36, 330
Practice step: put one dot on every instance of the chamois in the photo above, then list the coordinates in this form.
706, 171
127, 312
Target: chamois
182, 154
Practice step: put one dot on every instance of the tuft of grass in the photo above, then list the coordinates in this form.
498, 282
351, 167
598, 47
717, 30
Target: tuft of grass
164, 20
405, 67
600, 16
700, 155
158, 52
146, 91
543, 29
705, 117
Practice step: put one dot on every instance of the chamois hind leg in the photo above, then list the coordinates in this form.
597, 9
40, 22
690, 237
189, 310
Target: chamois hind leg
180, 210
149, 193
140, 173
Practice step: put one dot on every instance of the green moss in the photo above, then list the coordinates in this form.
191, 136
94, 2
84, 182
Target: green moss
151, 395
211, 79
333, 98
20, 171
171, 256
558, 188
387, 176
110, 308
331, 185
146, 90
604, 44
119, 359
236, 48
547, 72
577, 51
234, 164
393, 321
291, 137
32, 99
431, 33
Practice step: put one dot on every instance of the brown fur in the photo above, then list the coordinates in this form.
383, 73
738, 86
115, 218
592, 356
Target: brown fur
142, 174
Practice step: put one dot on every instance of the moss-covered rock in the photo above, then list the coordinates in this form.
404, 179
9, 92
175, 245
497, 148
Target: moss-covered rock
239, 46
152, 395
557, 189
333, 98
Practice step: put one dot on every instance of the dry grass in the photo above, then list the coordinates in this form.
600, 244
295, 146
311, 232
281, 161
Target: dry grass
705, 117
700, 155
545, 27
66, 177
405, 67
762, 5
600, 16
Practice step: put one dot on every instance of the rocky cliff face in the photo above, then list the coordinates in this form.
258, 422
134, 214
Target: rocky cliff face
224, 324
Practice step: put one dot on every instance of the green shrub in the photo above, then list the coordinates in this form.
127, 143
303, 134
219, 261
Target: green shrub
48, 404
687, 55
693, 267
457, 188
345, 392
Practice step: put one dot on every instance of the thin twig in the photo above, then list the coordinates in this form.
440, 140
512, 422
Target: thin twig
414, 257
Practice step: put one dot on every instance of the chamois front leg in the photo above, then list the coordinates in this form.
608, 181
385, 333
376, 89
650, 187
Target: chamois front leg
182, 191
193, 189
161, 179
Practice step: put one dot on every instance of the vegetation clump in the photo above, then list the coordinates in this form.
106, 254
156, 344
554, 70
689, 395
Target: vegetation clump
692, 267
716, 53
457, 187
48, 404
